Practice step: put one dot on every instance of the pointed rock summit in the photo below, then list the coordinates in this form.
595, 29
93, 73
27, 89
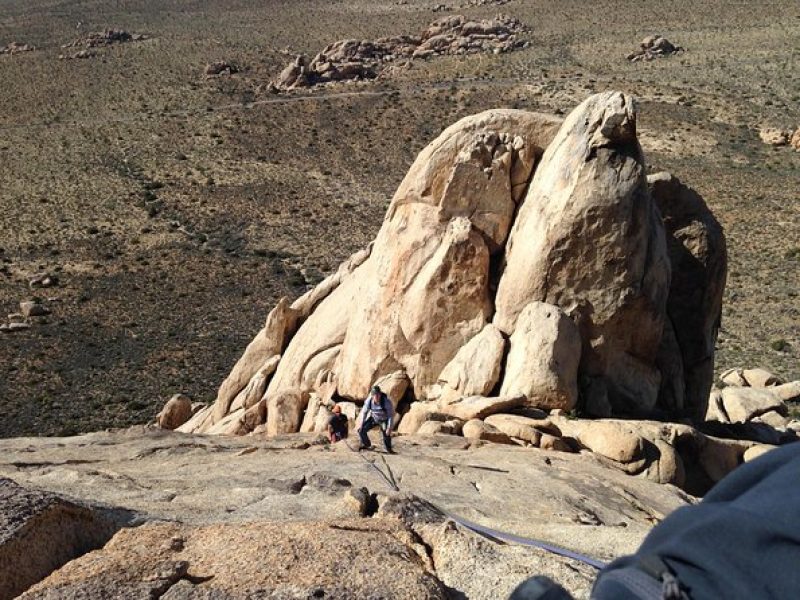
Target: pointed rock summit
523, 262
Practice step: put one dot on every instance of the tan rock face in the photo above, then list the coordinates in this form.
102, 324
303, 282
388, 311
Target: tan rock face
480, 407
475, 369
475, 429
516, 426
427, 290
435, 308
365, 558
269, 342
588, 239
743, 404
760, 378
542, 364
418, 414
698, 258
285, 412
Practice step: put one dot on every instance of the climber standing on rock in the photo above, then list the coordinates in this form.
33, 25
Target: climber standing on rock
377, 411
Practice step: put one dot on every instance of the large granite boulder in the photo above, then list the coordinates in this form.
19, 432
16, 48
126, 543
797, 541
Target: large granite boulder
697, 253
588, 239
505, 210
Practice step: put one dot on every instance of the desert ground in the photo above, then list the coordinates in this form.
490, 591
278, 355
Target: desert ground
175, 209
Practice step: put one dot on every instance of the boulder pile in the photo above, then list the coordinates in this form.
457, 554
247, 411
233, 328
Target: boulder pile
108, 37
99, 39
652, 47
774, 136
526, 268
16, 48
364, 59
469, 4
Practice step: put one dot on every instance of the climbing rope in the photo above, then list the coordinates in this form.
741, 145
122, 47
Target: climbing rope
489, 532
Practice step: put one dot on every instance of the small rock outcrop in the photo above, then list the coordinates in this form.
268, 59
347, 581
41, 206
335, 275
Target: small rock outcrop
773, 136
220, 67
13, 48
87, 46
365, 59
652, 47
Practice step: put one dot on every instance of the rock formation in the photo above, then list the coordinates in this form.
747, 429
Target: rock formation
698, 255
108, 37
364, 59
524, 265
16, 48
652, 47
513, 235
97, 40
220, 67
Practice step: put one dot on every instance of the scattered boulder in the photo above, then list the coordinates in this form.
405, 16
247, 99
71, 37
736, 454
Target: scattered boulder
43, 280
652, 47
108, 37
13, 48
739, 405
475, 429
33, 308
760, 378
285, 412
475, 369
480, 407
613, 440
554, 444
80, 54
753, 452
773, 136
788, 392
417, 415
220, 67
734, 377
176, 412
516, 426
353, 60
795, 141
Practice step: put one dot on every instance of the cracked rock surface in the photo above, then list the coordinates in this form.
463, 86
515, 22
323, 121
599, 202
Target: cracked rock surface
230, 517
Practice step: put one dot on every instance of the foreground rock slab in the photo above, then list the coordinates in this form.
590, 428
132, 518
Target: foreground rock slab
40, 531
349, 558
211, 483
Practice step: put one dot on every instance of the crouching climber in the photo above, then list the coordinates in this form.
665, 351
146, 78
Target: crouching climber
376, 412
337, 425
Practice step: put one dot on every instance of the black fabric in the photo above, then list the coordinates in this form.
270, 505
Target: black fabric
539, 588
338, 424
741, 541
